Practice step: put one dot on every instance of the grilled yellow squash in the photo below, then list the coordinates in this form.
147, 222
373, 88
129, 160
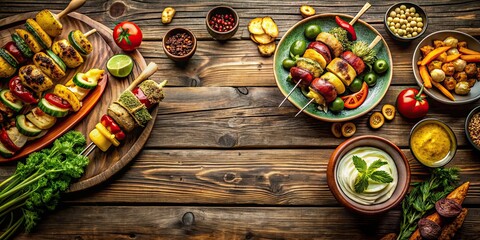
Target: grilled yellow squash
29, 40
36, 29
6, 70
34, 78
343, 70
48, 66
67, 53
49, 23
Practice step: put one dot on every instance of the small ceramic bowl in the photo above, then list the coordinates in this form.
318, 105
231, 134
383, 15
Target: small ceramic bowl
467, 122
222, 10
398, 158
184, 57
428, 146
409, 5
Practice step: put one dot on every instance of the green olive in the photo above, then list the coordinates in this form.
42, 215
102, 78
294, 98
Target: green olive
356, 85
370, 78
311, 31
337, 105
288, 63
298, 47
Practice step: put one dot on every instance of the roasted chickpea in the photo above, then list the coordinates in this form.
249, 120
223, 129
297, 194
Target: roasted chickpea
471, 69
460, 76
435, 64
449, 83
462, 88
448, 68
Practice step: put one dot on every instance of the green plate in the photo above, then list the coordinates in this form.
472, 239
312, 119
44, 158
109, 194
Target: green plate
366, 33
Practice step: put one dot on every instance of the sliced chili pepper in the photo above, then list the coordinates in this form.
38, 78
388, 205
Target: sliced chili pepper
354, 100
349, 28
7, 142
16, 87
142, 97
57, 101
112, 127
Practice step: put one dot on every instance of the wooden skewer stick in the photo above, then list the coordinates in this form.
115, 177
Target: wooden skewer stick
360, 13
306, 105
72, 6
90, 32
375, 41
147, 72
290, 93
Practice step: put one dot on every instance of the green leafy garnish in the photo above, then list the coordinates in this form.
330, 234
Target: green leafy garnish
37, 185
369, 172
361, 49
423, 197
342, 36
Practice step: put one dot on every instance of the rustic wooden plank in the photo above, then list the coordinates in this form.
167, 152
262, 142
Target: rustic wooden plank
266, 177
249, 118
165, 222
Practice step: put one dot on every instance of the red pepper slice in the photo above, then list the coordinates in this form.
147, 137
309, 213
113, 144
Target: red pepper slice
57, 101
16, 87
142, 97
354, 100
112, 127
349, 28
15, 52
7, 142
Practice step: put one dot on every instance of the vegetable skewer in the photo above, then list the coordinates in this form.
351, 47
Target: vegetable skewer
357, 16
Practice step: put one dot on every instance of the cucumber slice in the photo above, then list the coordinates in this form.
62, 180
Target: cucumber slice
35, 34
9, 58
26, 127
5, 152
51, 109
75, 45
57, 60
41, 119
83, 81
22, 45
15, 106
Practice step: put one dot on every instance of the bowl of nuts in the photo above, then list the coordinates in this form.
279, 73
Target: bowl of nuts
222, 22
472, 127
179, 44
405, 21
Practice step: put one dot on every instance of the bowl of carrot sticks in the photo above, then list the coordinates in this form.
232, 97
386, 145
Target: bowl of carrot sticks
447, 64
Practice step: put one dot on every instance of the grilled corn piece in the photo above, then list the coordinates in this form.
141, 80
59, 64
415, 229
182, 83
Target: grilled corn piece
6, 70
34, 78
48, 66
343, 70
80, 42
38, 32
67, 53
68, 95
29, 40
49, 23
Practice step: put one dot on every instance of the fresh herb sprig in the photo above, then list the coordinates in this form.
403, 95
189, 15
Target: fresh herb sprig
37, 184
369, 172
423, 197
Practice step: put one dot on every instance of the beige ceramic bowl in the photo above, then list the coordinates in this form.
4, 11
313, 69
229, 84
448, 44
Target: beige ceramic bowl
401, 162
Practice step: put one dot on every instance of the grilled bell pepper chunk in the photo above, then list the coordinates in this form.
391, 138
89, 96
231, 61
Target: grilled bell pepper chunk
102, 137
112, 127
16, 87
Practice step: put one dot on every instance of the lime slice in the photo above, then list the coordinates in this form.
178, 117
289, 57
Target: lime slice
120, 65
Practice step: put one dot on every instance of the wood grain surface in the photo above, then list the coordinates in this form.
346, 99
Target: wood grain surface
221, 151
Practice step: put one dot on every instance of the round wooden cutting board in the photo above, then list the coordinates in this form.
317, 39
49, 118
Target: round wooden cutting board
102, 165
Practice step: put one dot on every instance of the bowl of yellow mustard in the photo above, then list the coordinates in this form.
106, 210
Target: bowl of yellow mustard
433, 143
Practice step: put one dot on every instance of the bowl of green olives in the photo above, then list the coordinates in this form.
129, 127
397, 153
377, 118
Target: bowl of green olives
405, 21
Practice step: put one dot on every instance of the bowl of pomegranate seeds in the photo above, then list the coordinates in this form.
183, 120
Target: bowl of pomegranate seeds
179, 44
222, 22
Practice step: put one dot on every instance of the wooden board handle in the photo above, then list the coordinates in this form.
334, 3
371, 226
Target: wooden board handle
147, 72
72, 6
375, 41
360, 13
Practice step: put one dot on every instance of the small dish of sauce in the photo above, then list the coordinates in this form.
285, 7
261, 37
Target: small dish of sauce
433, 143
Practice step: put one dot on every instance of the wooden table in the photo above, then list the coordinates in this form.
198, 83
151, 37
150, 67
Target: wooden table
223, 162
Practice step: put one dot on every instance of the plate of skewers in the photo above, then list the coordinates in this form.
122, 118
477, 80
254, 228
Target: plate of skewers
333, 74
68, 93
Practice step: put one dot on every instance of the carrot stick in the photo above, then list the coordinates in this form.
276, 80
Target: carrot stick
442, 89
427, 79
467, 51
434, 54
474, 58
451, 58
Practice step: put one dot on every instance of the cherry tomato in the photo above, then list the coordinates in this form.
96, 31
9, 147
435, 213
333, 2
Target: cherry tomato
112, 127
411, 103
15, 52
127, 36
57, 101
354, 100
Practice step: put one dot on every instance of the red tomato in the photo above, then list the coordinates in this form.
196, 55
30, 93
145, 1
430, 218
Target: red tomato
411, 103
57, 101
127, 36
354, 100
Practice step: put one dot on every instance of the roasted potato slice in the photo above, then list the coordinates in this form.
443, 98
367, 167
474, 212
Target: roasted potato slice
270, 27
267, 50
255, 26
253, 39
263, 38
